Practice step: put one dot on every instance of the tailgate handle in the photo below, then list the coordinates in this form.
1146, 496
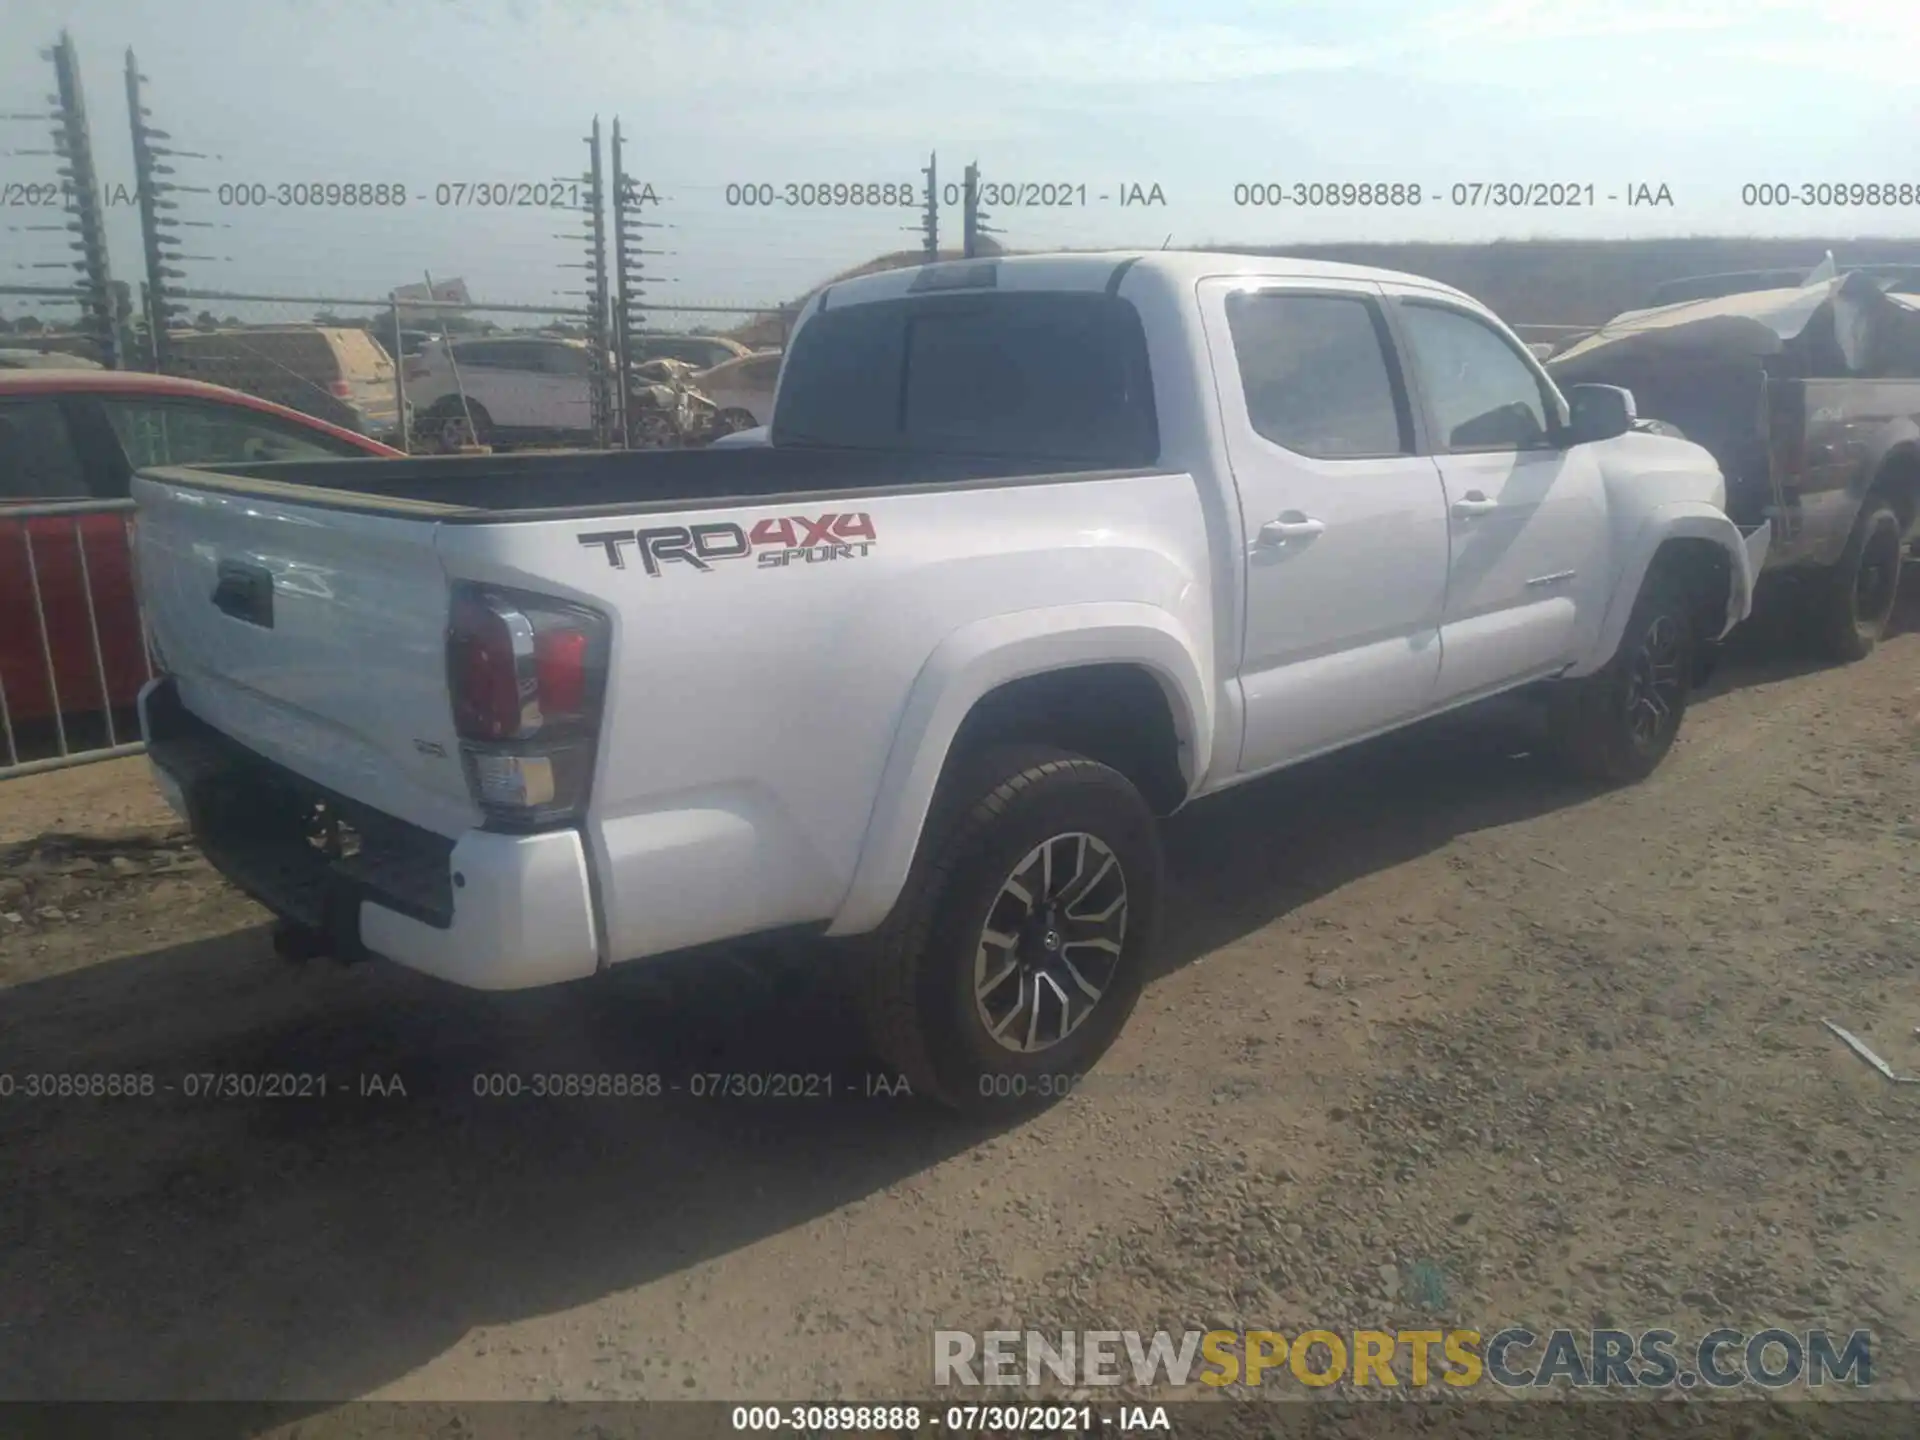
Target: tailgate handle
245, 592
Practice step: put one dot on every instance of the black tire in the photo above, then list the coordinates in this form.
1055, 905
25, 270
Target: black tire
446, 418
1617, 724
923, 1011
1860, 592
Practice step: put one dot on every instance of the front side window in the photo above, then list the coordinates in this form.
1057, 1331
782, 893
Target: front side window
1317, 374
1482, 395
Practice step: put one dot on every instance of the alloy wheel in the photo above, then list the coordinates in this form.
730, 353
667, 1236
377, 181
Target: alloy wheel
1654, 682
1051, 943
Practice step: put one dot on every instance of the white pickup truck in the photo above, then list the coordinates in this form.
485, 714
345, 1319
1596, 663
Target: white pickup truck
1042, 548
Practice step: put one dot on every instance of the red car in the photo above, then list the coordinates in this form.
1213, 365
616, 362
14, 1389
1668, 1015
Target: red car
78, 435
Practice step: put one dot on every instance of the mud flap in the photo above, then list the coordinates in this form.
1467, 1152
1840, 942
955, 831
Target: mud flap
1758, 542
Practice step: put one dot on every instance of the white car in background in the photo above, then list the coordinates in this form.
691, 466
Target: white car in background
524, 387
742, 389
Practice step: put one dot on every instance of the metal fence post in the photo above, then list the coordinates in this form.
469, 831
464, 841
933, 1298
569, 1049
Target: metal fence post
930, 221
973, 220
606, 409
626, 271
405, 439
156, 231
74, 143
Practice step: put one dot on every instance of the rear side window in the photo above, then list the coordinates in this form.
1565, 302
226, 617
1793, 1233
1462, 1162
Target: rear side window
485, 354
192, 432
566, 360
1047, 375
38, 460
1318, 374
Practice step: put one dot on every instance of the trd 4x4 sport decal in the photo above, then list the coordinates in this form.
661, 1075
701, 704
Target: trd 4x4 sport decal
777, 540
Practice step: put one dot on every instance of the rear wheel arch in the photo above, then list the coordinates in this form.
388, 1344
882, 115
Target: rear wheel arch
1132, 687
1122, 714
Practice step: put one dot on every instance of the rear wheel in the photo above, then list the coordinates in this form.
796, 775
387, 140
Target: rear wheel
447, 424
1617, 724
1860, 591
730, 421
1021, 945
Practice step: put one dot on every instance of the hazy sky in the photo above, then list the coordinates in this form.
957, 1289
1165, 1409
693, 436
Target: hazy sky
1196, 97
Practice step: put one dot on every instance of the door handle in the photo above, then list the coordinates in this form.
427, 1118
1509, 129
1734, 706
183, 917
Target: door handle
1290, 526
1474, 503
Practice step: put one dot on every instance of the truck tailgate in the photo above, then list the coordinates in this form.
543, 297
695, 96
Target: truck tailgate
315, 637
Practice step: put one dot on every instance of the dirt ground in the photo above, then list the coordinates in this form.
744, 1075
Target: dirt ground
1440, 1039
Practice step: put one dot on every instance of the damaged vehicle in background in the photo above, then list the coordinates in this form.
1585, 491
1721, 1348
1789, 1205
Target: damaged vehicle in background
537, 390
666, 408
1809, 397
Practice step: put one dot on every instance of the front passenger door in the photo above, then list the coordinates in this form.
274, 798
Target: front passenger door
1527, 510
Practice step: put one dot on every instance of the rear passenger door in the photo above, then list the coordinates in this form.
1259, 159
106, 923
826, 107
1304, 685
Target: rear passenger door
1527, 509
569, 394
1345, 520
491, 380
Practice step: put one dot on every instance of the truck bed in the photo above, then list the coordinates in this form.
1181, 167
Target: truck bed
535, 486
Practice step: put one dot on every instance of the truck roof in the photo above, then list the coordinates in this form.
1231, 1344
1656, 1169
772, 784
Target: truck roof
1094, 269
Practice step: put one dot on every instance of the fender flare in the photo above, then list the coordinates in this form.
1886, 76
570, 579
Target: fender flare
1686, 520
1903, 452
1898, 444
979, 658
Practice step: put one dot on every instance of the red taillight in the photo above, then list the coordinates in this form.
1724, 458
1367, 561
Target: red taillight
484, 672
340, 388
527, 675
560, 662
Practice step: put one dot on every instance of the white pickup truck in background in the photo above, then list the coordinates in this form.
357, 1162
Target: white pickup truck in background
1042, 548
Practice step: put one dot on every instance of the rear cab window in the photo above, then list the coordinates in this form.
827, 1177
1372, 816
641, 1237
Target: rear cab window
1046, 375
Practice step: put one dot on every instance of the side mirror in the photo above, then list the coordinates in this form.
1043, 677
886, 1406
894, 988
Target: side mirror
1600, 412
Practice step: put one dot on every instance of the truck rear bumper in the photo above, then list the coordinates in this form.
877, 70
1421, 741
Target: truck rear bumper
487, 910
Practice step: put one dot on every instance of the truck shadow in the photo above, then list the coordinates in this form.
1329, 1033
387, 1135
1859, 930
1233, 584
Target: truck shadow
1242, 859
194, 1246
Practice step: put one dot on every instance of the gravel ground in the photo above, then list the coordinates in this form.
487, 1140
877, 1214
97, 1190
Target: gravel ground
1440, 1039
